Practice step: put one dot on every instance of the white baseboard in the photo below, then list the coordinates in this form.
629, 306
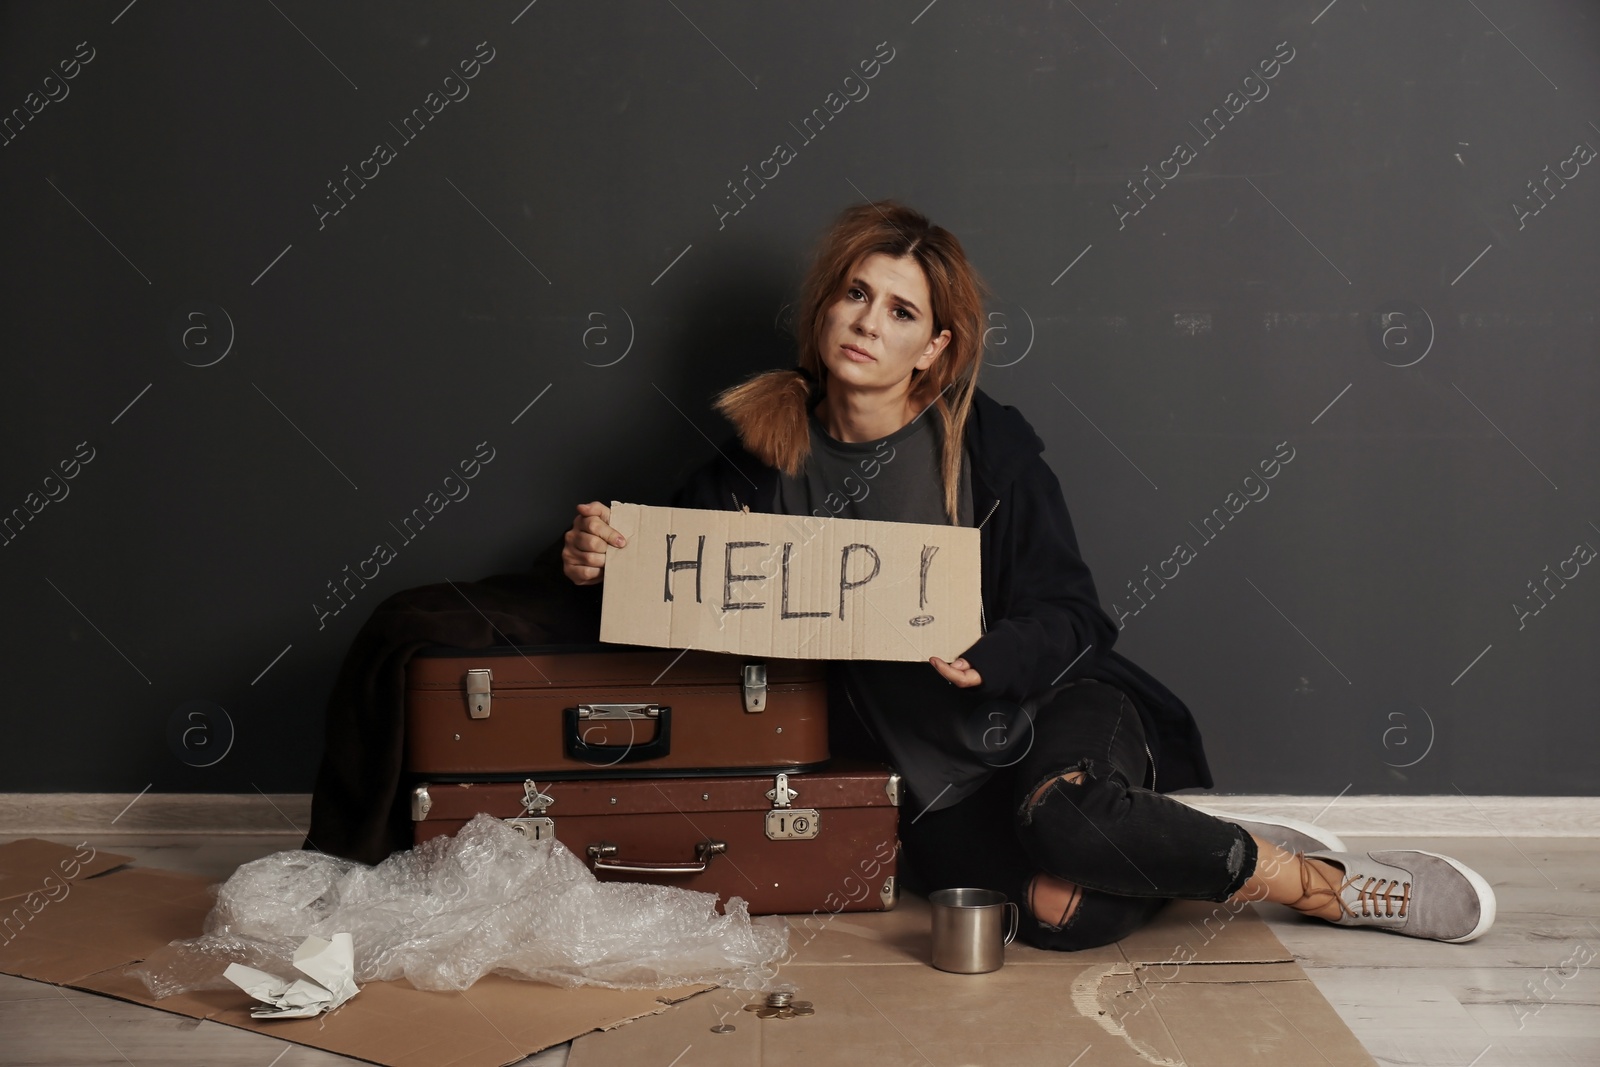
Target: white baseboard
1449, 815
110, 815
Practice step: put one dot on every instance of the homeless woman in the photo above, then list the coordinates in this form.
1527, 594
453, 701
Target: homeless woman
1038, 760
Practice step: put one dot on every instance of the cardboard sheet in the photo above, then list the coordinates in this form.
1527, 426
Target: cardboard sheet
86, 937
791, 586
1201, 985
1238, 999
42, 870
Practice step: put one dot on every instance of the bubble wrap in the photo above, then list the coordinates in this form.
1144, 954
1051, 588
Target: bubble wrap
485, 901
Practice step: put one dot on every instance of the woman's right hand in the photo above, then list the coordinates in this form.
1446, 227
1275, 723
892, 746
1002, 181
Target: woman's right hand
584, 557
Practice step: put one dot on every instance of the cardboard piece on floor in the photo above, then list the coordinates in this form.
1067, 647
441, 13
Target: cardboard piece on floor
901, 936
34, 866
1197, 931
791, 586
1240, 1000
495, 1022
105, 922
88, 937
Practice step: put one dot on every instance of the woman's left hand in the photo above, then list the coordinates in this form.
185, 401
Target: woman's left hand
957, 673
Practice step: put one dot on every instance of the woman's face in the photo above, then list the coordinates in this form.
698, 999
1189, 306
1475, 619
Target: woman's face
879, 327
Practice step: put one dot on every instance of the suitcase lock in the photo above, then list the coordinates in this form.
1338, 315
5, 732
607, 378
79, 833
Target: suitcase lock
755, 687
479, 681
790, 824
534, 824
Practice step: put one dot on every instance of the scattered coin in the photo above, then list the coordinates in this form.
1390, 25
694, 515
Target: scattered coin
722, 1028
780, 1005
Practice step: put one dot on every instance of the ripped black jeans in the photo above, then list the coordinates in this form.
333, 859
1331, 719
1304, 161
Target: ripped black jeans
1129, 849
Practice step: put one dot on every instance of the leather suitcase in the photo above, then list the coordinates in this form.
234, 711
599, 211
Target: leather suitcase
787, 844
598, 710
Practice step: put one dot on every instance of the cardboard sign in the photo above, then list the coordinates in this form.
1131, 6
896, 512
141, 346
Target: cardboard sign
791, 586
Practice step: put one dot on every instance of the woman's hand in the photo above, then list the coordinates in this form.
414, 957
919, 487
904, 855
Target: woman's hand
584, 557
957, 673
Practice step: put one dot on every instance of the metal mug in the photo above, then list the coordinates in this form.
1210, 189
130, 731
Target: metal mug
966, 929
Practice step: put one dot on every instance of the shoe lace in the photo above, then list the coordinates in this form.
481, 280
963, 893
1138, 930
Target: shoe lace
1393, 893
1311, 897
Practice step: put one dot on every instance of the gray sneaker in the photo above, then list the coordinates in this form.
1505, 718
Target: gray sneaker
1291, 835
1405, 891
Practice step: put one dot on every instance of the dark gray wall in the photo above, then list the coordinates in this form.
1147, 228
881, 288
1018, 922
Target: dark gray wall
1343, 271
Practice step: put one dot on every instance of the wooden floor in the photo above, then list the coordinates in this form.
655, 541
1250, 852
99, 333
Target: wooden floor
1526, 993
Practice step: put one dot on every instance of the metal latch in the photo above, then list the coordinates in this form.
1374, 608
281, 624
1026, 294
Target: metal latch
533, 801
755, 687
479, 681
892, 787
421, 803
780, 794
534, 823
790, 824
890, 893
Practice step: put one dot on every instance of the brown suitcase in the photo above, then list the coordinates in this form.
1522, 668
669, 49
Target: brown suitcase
599, 710
787, 844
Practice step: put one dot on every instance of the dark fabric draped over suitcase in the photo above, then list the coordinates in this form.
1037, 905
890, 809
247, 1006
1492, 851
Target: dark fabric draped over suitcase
358, 809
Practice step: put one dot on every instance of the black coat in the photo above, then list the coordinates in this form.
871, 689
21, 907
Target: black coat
1035, 585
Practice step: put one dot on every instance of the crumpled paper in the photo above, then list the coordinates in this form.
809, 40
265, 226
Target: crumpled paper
329, 967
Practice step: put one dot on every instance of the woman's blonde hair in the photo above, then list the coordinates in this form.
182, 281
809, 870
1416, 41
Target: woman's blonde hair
771, 406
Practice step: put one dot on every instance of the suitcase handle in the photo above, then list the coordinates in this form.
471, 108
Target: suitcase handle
603, 856
609, 755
